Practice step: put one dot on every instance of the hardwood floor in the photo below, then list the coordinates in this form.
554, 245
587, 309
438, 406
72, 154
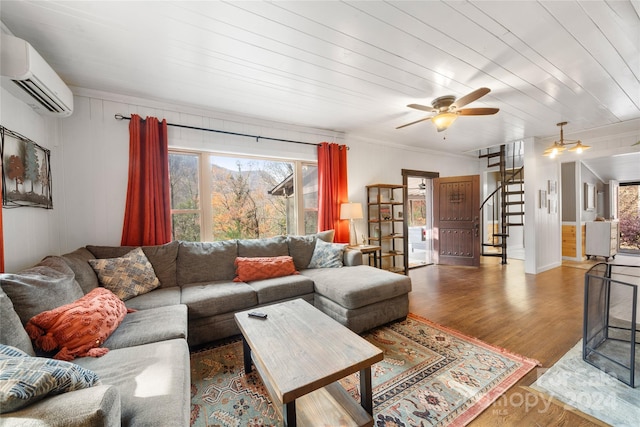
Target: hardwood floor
538, 316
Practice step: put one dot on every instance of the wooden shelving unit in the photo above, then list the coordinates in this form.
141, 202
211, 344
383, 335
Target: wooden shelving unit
385, 214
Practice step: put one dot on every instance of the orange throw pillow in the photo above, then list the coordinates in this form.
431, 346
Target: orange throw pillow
79, 328
258, 268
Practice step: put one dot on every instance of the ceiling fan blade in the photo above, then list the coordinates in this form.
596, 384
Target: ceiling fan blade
413, 123
422, 108
477, 111
470, 97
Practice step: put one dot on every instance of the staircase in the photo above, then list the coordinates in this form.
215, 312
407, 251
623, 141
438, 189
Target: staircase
504, 207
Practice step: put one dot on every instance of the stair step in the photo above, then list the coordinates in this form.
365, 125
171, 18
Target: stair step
514, 213
493, 245
513, 192
515, 224
519, 202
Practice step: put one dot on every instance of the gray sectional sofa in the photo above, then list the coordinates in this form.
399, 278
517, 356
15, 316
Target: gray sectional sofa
144, 378
145, 375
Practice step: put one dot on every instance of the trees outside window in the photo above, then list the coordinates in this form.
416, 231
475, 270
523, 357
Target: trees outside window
310, 197
245, 198
185, 196
629, 214
241, 199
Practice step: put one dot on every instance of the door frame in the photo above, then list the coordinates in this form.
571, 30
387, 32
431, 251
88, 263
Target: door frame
406, 173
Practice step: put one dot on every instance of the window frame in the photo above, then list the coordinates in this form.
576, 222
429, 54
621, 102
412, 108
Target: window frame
205, 210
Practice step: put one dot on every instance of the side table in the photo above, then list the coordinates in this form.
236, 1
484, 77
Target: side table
369, 250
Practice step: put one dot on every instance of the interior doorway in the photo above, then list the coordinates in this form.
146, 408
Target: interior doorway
418, 218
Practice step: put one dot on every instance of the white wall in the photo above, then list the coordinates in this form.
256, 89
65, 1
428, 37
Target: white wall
31, 233
543, 229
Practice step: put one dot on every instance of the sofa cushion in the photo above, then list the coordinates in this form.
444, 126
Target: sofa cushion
301, 247
206, 261
280, 288
11, 329
78, 261
153, 381
147, 326
160, 297
45, 286
355, 287
367, 317
326, 236
79, 328
163, 258
268, 247
327, 255
25, 380
100, 407
258, 268
210, 299
128, 276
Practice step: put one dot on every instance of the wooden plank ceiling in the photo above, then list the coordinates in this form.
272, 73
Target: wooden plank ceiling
354, 66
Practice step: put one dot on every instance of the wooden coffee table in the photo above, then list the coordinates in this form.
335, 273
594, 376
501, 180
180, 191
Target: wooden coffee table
300, 354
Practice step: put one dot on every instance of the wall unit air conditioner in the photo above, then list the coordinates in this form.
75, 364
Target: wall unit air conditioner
28, 76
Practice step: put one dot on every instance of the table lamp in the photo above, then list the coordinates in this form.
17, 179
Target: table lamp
351, 211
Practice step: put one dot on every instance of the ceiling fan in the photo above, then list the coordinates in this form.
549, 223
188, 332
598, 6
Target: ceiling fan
448, 108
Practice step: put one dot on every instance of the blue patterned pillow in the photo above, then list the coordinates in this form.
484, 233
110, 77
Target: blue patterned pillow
327, 255
25, 379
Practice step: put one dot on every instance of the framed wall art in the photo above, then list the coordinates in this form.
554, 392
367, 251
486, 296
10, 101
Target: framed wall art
26, 172
542, 195
589, 197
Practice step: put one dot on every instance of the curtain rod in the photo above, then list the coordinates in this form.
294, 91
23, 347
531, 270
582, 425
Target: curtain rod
257, 137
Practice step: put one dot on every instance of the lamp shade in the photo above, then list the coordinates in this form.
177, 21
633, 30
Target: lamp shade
579, 147
350, 211
444, 120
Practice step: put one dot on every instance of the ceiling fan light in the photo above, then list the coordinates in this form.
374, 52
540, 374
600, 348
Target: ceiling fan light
444, 120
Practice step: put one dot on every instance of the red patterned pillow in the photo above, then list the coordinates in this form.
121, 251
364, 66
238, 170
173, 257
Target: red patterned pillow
79, 328
258, 268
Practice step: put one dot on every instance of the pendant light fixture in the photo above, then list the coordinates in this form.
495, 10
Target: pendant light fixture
559, 146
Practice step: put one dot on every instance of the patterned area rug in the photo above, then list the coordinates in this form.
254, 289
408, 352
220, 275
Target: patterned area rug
430, 375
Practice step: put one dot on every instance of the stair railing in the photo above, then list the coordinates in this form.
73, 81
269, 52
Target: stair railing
501, 200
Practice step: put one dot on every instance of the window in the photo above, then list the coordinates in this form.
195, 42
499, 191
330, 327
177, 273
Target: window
245, 197
629, 214
310, 198
185, 196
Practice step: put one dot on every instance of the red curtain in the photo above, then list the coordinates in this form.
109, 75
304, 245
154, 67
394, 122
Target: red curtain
332, 189
147, 216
